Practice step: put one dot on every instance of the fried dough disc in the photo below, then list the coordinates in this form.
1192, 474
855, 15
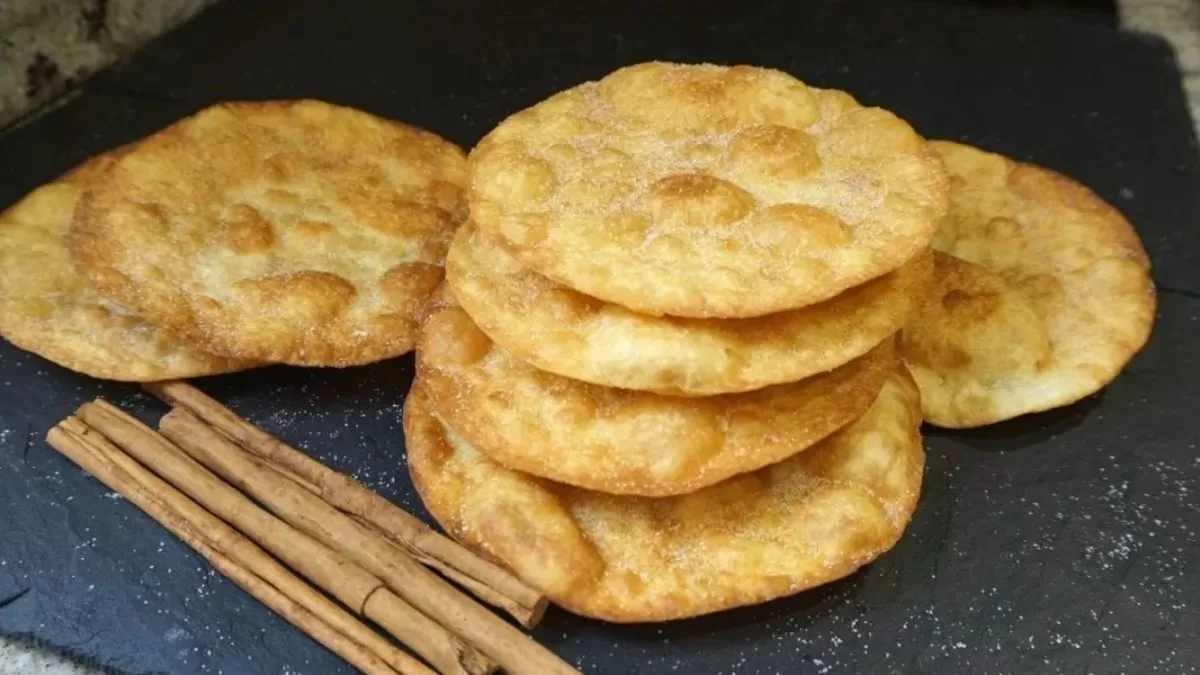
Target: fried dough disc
809, 520
568, 333
289, 231
1042, 296
707, 191
46, 308
622, 441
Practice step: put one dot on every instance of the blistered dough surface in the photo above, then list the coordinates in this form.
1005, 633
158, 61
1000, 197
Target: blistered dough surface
47, 308
577, 336
707, 191
293, 231
624, 441
806, 521
1041, 294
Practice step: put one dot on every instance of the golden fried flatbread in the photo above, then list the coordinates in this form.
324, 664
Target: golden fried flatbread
809, 520
46, 308
291, 231
568, 333
706, 191
622, 441
1042, 295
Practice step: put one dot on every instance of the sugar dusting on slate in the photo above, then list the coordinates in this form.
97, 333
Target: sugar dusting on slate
1106, 541
1094, 547
1088, 569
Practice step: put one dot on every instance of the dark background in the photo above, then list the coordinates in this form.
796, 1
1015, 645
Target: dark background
1064, 542
1099, 10
44, 72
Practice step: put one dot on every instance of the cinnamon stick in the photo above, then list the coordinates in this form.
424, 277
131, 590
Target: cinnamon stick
233, 544
490, 582
233, 555
511, 648
498, 639
526, 616
361, 591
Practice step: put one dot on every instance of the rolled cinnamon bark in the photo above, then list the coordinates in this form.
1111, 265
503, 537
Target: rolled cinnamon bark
233, 555
488, 581
511, 648
330, 570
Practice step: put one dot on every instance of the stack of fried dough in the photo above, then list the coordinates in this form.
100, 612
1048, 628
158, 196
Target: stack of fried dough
670, 373
294, 232
664, 380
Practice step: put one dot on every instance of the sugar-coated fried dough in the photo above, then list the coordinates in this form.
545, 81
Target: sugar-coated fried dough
622, 441
707, 191
571, 334
1041, 296
806, 521
290, 231
46, 308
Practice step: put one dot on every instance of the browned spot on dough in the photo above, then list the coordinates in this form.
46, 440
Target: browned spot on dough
313, 228
277, 168
300, 298
434, 247
954, 357
448, 197
152, 215
407, 288
963, 302
110, 278
398, 329
773, 151
499, 397
246, 231
206, 305
792, 226
1001, 228
512, 530
284, 199
697, 201
733, 493
450, 337
1043, 289
706, 90
441, 298
409, 219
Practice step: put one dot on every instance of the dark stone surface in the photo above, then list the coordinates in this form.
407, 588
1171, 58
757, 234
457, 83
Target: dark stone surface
1064, 542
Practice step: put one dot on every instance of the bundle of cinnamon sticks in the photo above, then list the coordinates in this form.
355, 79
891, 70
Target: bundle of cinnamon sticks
312, 544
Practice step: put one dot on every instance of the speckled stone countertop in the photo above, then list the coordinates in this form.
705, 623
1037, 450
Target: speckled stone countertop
47, 45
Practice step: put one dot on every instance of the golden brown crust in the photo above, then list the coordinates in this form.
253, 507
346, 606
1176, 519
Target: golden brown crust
706, 191
621, 441
807, 521
46, 308
573, 335
289, 231
1042, 295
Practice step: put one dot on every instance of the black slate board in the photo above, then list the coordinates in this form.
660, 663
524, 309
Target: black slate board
1065, 542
